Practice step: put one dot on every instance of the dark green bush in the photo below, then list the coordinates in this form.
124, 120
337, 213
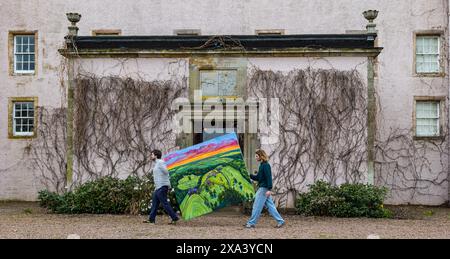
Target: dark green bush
104, 196
49, 199
347, 200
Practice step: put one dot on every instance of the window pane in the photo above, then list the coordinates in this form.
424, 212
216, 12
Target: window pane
420, 110
427, 63
420, 63
24, 44
426, 131
427, 109
420, 59
209, 83
427, 54
425, 46
426, 67
434, 109
19, 66
427, 122
218, 82
23, 117
427, 118
419, 45
420, 68
434, 46
227, 82
434, 67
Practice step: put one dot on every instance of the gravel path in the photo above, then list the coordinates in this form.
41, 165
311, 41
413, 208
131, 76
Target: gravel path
27, 220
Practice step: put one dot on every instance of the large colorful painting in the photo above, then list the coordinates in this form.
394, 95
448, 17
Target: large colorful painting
209, 176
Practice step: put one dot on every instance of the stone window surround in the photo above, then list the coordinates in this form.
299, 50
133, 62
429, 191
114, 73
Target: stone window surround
11, 35
442, 115
11, 101
442, 50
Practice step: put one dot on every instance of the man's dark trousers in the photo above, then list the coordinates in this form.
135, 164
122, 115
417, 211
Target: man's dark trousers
160, 197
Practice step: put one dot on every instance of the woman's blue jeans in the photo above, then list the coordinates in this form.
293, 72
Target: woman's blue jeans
262, 200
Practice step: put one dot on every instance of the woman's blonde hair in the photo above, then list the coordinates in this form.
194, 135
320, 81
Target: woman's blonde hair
262, 154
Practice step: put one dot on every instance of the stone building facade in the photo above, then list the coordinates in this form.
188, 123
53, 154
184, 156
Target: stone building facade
377, 109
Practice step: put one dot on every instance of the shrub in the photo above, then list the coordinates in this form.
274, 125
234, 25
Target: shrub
49, 200
347, 200
103, 196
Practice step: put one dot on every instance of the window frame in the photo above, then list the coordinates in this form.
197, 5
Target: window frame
441, 113
187, 32
198, 64
441, 65
23, 53
106, 32
218, 71
270, 32
12, 53
11, 130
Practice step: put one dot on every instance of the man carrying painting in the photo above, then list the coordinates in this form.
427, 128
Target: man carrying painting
162, 185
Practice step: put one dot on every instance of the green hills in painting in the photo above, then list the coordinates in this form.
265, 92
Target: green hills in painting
211, 183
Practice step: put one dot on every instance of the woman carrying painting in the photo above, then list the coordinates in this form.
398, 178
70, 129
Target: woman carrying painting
263, 194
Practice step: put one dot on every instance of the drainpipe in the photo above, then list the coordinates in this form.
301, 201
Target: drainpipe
371, 15
73, 32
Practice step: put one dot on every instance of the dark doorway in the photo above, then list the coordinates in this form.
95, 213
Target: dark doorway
204, 136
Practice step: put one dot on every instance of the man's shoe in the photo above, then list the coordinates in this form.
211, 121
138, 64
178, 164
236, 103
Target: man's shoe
280, 225
249, 226
148, 221
173, 221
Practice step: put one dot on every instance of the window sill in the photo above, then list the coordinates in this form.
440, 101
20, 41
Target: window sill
429, 138
11, 136
23, 74
429, 74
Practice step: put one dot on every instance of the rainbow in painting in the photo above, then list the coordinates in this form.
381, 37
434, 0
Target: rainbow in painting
209, 176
